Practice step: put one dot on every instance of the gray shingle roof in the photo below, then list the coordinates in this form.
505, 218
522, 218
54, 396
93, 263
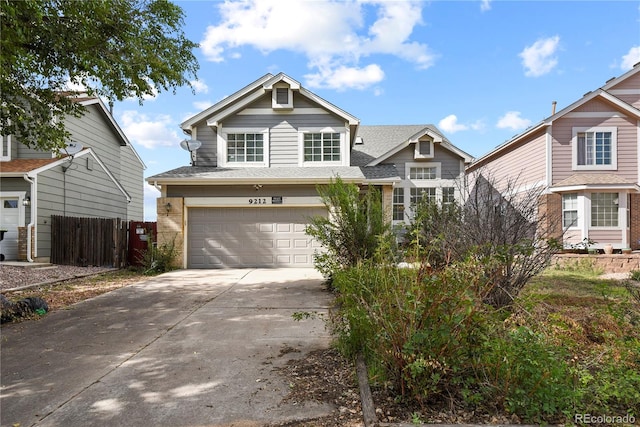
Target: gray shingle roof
292, 174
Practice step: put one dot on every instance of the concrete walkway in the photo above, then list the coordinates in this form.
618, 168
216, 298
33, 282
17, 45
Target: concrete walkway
187, 348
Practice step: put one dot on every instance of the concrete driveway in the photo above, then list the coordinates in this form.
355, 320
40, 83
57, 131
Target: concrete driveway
186, 348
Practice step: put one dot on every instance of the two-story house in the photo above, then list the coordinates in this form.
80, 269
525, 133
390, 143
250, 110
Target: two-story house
247, 197
101, 176
586, 157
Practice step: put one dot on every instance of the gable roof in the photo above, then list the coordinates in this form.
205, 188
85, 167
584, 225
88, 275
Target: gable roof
383, 141
123, 140
252, 92
32, 167
599, 93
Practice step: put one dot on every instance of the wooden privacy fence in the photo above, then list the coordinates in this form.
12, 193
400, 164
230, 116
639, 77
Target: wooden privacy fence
89, 241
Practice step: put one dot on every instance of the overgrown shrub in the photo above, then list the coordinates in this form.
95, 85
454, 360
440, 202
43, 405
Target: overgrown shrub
354, 229
158, 259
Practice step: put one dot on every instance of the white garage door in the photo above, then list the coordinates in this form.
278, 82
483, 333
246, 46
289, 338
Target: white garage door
9, 218
250, 237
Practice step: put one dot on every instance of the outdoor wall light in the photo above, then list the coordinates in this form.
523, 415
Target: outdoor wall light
26, 201
167, 207
257, 186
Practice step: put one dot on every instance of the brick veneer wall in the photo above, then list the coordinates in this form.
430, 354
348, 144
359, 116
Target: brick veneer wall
635, 221
550, 210
171, 225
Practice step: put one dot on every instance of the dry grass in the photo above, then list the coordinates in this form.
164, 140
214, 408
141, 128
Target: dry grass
64, 294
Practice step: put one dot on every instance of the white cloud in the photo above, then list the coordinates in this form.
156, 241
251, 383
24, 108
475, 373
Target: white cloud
199, 86
539, 58
631, 58
202, 105
485, 5
149, 132
332, 35
345, 77
450, 124
512, 120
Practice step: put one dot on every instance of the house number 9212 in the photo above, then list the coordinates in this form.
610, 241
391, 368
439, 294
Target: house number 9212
258, 201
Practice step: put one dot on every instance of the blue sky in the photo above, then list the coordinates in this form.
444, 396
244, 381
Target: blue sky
482, 71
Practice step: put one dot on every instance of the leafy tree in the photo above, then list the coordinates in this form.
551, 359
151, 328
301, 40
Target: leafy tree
116, 49
354, 229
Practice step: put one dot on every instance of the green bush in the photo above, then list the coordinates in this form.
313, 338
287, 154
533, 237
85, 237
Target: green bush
354, 229
158, 259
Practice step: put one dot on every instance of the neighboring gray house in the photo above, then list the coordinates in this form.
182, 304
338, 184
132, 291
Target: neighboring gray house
104, 179
247, 197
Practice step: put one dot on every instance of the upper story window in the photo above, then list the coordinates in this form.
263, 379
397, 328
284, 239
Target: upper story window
321, 147
5, 150
570, 210
245, 147
430, 172
604, 209
594, 148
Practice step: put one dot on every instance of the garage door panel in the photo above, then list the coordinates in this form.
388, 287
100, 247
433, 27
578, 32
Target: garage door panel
251, 237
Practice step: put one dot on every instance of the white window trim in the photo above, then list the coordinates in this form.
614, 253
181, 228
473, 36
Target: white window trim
437, 165
344, 149
614, 148
5, 157
578, 212
622, 206
222, 147
418, 155
274, 102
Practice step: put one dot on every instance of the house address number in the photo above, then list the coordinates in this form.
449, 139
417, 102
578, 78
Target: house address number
275, 200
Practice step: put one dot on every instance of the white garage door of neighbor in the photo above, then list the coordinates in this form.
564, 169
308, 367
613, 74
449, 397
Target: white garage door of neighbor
9, 218
250, 237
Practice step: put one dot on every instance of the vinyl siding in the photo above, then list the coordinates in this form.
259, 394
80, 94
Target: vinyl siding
132, 179
283, 129
24, 152
450, 162
89, 193
627, 133
92, 130
632, 82
240, 191
525, 162
207, 154
606, 236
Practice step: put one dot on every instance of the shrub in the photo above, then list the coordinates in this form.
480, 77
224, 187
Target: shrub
355, 228
158, 259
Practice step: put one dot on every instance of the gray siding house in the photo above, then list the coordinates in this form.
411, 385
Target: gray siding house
104, 179
247, 196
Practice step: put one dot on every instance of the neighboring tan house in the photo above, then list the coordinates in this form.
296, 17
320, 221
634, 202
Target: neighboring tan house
103, 179
247, 197
586, 157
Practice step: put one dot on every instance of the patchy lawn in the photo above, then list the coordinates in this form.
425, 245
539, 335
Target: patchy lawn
63, 294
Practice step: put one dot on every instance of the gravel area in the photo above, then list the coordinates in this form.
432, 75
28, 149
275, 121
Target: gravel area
12, 277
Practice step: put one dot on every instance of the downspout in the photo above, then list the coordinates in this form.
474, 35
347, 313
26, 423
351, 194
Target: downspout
34, 205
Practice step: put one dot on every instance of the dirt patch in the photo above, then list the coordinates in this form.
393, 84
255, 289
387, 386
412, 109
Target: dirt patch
12, 277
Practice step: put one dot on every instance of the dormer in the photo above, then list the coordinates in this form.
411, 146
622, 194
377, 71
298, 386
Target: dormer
282, 97
424, 148
281, 87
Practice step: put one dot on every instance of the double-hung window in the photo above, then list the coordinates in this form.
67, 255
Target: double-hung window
604, 209
595, 148
245, 147
418, 194
570, 210
398, 204
423, 172
321, 147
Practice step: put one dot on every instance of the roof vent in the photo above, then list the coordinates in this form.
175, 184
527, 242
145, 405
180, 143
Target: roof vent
359, 140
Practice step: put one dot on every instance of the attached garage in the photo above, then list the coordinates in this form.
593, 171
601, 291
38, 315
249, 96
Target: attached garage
219, 237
